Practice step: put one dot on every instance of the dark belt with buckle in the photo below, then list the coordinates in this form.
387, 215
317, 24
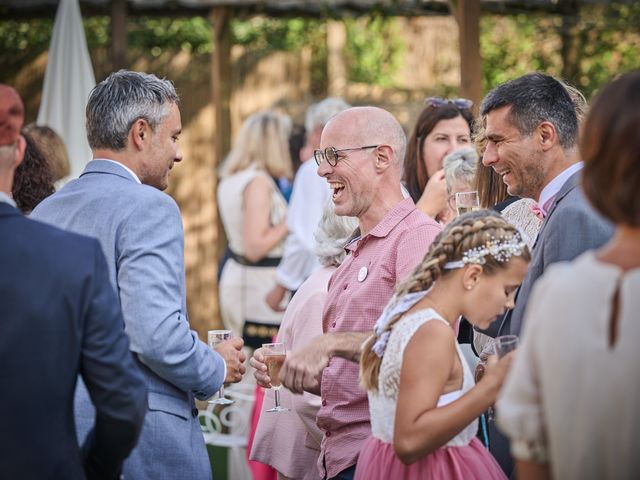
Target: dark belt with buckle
265, 262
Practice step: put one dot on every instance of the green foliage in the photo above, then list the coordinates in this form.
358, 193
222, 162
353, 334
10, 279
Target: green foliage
21, 42
608, 43
267, 34
373, 49
156, 35
515, 45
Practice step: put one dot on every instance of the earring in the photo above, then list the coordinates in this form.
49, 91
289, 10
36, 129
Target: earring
469, 287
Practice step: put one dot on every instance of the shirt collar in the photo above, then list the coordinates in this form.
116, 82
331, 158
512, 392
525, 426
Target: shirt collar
4, 198
135, 177
554, 186
388, 223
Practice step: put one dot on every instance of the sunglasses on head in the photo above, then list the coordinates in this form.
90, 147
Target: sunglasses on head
461, 103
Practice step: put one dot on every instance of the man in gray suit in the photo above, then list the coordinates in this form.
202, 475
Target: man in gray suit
133, 125
531, 129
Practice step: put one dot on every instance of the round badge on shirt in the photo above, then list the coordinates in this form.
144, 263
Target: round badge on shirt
362, 274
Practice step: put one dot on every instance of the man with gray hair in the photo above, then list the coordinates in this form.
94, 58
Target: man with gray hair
310, 193
360, 158
531, 127
133, 125
60, 319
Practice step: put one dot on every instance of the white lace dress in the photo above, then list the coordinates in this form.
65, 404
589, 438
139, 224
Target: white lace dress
463, 457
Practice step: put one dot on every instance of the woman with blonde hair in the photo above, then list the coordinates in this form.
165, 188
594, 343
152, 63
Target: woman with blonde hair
253, 212
422, 398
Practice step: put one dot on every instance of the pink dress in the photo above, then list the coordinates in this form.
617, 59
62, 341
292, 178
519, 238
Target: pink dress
462, 458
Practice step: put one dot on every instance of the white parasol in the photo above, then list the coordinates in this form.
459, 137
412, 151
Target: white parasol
67, 82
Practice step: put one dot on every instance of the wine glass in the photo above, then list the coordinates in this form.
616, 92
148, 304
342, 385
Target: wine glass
215, 337
467, 202
487, 350
506, 344
274, 356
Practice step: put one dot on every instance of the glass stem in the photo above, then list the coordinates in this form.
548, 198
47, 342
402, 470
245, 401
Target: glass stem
221, 392
277, 397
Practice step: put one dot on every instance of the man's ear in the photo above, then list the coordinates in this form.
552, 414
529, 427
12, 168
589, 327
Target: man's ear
471, 276
140, 133
384, 157
547, 135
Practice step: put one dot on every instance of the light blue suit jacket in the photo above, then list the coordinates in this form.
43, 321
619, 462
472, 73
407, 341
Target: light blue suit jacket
140, 230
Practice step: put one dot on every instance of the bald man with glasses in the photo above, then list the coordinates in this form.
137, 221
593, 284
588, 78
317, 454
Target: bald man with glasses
360, 157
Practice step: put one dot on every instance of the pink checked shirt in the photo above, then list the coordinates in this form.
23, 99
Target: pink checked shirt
358, 291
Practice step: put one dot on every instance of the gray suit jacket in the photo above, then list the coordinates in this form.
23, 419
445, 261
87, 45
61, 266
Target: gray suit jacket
140, 231
570, 228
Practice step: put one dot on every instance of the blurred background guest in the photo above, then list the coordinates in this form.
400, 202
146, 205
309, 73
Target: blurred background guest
442, 127
310, 193
53, 148
459, 175
291, 443
33, 179
560, 432
253, 212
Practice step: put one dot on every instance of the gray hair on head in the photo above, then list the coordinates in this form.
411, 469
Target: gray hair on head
332, 235
535, 98
460, 167
319, 114
121, 99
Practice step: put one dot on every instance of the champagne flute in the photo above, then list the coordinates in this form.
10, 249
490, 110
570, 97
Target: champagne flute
274, 356
215, 337
506, 344
467, 202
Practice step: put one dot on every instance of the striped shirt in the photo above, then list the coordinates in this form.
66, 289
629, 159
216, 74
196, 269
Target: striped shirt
358, 292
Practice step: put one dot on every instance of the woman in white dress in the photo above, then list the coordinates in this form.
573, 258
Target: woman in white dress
423, 401
253, 212
570, 402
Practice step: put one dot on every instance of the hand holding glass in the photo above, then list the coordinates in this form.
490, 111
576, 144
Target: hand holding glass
467, 202
274, 357
505, 344
215, 337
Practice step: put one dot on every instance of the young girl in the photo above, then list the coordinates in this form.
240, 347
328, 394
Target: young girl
423, 402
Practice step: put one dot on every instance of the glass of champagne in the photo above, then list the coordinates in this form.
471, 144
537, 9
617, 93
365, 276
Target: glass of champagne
214, 337
505, 344
467, 202
274, 356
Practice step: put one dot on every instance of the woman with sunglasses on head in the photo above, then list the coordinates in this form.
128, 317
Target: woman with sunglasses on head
442, 127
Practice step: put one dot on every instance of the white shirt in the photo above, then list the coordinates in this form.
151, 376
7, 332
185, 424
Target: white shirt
310, 193
553, 187
7, 199
135, 177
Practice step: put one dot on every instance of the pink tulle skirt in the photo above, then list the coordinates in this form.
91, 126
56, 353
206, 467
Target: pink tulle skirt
378, 461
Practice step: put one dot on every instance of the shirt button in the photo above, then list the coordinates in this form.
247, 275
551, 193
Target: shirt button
333, 324
344, 287
194, 412
324, 403
328, 434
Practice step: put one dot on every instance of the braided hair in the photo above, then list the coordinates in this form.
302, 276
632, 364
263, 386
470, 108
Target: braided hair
467, 232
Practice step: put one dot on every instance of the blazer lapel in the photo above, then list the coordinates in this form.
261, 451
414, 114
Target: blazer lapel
570, 184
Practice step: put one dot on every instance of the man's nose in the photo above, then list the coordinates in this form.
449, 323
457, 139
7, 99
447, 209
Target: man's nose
324, 168
178, 157
490, 155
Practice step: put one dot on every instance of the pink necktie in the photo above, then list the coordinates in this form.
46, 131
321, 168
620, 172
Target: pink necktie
541, 212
